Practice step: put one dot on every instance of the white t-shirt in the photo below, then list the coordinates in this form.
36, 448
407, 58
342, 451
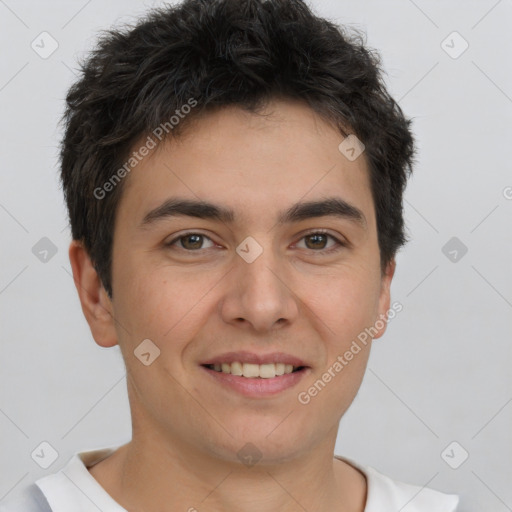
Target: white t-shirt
74, 489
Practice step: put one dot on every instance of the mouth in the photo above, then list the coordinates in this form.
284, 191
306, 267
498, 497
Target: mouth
254, 371
256, 376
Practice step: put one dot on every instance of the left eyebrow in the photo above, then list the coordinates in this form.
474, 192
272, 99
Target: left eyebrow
330, 207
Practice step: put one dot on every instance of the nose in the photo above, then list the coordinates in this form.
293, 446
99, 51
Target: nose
258, 296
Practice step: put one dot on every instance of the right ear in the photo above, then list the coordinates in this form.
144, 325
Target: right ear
96, 303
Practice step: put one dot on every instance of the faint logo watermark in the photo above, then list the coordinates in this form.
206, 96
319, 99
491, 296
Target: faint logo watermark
454, 249
249, 455
249, 249
455, 455
44, 45
454, 45
146, 352
44, 455
351, 147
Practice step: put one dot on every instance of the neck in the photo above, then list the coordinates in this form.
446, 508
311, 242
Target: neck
141, 476
160, 470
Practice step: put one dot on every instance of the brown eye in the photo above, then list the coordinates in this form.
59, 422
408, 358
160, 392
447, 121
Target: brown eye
189, 241
316, 241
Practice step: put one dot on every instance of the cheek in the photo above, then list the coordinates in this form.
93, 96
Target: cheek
346, 302
154, 306
346, 312
142, 304
164, 305
349, 307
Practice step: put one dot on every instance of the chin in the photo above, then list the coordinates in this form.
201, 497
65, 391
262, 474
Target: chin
268, 442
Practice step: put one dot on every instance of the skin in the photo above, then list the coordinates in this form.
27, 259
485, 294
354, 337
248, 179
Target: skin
194, 305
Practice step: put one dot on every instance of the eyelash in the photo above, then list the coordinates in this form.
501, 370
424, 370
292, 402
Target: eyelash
339, 244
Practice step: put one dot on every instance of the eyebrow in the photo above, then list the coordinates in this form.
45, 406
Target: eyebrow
332, 207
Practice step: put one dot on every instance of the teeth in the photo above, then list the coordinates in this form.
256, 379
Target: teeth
236, 369
267, 371
251, 371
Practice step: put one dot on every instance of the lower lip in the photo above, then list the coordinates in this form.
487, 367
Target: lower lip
257, 387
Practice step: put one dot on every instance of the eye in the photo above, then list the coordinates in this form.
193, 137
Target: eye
317, 241
189, 241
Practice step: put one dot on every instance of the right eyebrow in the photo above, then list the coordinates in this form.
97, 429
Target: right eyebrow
175, 207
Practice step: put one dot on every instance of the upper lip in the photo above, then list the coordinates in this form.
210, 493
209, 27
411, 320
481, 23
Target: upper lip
251, 357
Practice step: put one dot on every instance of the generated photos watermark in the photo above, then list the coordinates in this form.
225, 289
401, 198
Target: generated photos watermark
304, 397
150, 143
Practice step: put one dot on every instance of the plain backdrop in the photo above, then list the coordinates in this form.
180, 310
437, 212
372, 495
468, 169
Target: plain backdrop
435, 407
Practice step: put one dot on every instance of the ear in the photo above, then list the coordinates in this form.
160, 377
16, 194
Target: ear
96, 303
384, 299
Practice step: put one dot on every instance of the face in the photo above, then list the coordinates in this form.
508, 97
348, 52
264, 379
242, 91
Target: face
282, 267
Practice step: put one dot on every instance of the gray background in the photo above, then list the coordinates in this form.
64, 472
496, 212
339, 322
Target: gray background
442, 371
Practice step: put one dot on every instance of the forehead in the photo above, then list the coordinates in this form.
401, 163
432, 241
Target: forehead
254, 165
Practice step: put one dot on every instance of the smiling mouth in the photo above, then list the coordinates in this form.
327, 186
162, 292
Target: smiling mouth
255, 371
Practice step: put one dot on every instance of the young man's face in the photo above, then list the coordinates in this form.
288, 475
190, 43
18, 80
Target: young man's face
212, 293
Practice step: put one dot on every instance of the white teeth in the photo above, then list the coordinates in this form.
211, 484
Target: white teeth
267, 371
251, 370
236, 369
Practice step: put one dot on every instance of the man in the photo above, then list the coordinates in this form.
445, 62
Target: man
234, 174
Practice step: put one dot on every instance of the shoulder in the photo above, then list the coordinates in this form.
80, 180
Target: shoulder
71, 488
384, 494
410, 498
31, 499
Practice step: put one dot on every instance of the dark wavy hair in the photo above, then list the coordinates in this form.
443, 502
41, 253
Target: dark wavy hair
224, 52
